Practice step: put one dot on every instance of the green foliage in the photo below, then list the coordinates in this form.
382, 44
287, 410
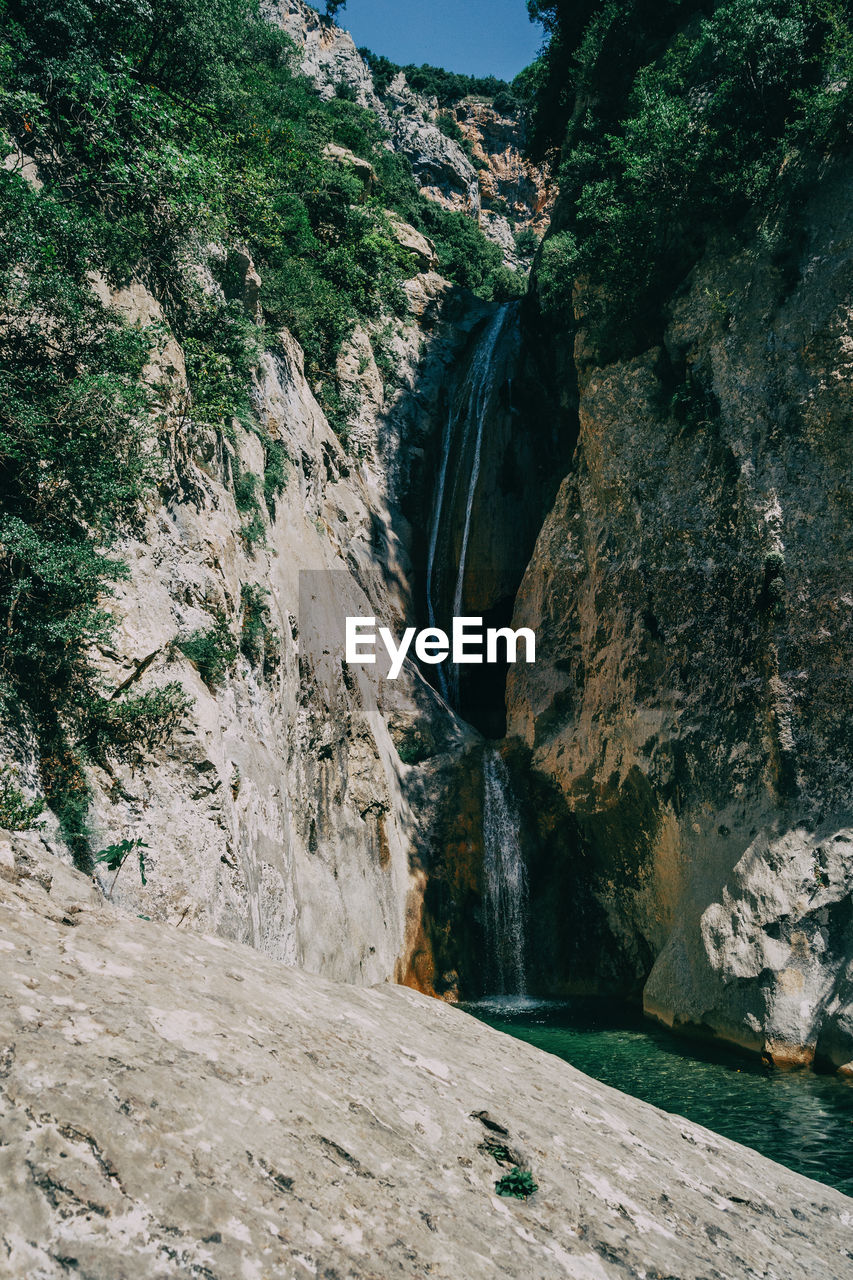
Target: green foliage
159, 130
384, 355
257, 637
527, 242
212, 651
467, 258
16, 812
672, 121
449, 126
245, 490
76, 467
435, 82
246, 497
517, 1184
254, 531
276, 473
115, 856
126, 728
341, 405
220, 348
417, 745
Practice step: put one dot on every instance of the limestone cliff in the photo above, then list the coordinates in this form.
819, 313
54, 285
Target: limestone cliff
514, 192
293, 807
176, 1106
693, 598
491, 181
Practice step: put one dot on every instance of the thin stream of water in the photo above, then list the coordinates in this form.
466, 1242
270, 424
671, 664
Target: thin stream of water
504, 878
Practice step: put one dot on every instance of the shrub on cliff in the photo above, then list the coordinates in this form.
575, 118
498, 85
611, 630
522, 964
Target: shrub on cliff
434, 82
673, 121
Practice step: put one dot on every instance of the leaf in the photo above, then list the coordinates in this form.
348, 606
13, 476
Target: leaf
518, 1184
114, 855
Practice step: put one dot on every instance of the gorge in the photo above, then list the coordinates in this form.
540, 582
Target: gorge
335, 349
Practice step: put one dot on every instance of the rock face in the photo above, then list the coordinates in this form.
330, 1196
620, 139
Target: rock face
507, 179
330, 58
693, 598
292, 810
328, 54
443, 171
495, 184
173, 1105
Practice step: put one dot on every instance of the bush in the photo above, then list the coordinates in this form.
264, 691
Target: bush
16, 812
556, 274
212, 652
674, 122
126, 728
276, 473
435, 82
158, 130
449, 126
247, 501
527, 242
256, 634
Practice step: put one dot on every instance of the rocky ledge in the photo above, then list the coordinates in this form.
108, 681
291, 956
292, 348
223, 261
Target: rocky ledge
172, 1105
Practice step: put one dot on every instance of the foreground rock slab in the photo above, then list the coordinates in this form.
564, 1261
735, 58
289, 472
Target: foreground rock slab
172, 1105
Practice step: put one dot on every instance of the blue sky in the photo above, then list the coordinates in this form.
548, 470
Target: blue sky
480, 37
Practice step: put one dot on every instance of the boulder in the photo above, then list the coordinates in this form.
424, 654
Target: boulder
347, 159
410, 239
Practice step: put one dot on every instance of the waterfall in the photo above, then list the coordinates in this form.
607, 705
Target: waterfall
433, 537
505, 879
467, 415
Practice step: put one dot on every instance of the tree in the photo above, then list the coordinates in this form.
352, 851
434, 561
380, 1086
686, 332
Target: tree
332, 7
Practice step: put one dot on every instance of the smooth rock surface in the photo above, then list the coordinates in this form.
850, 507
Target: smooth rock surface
172, 1105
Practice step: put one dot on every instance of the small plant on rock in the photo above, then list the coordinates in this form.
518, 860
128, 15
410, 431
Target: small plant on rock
256, 634
127, 728
518, 1184
115, 856
212, 652
16, 812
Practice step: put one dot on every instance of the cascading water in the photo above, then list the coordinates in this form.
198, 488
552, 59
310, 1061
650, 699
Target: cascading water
452, 534
467, 415
505, 879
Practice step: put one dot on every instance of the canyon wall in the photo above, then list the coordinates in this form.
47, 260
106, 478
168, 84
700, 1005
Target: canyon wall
679, 521
489, 178
292, 809
692, 591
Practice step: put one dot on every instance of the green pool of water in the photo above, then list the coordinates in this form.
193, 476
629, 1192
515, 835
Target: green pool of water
801, 1119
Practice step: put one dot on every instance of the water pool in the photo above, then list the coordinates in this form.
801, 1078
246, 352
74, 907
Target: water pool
799, 1118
